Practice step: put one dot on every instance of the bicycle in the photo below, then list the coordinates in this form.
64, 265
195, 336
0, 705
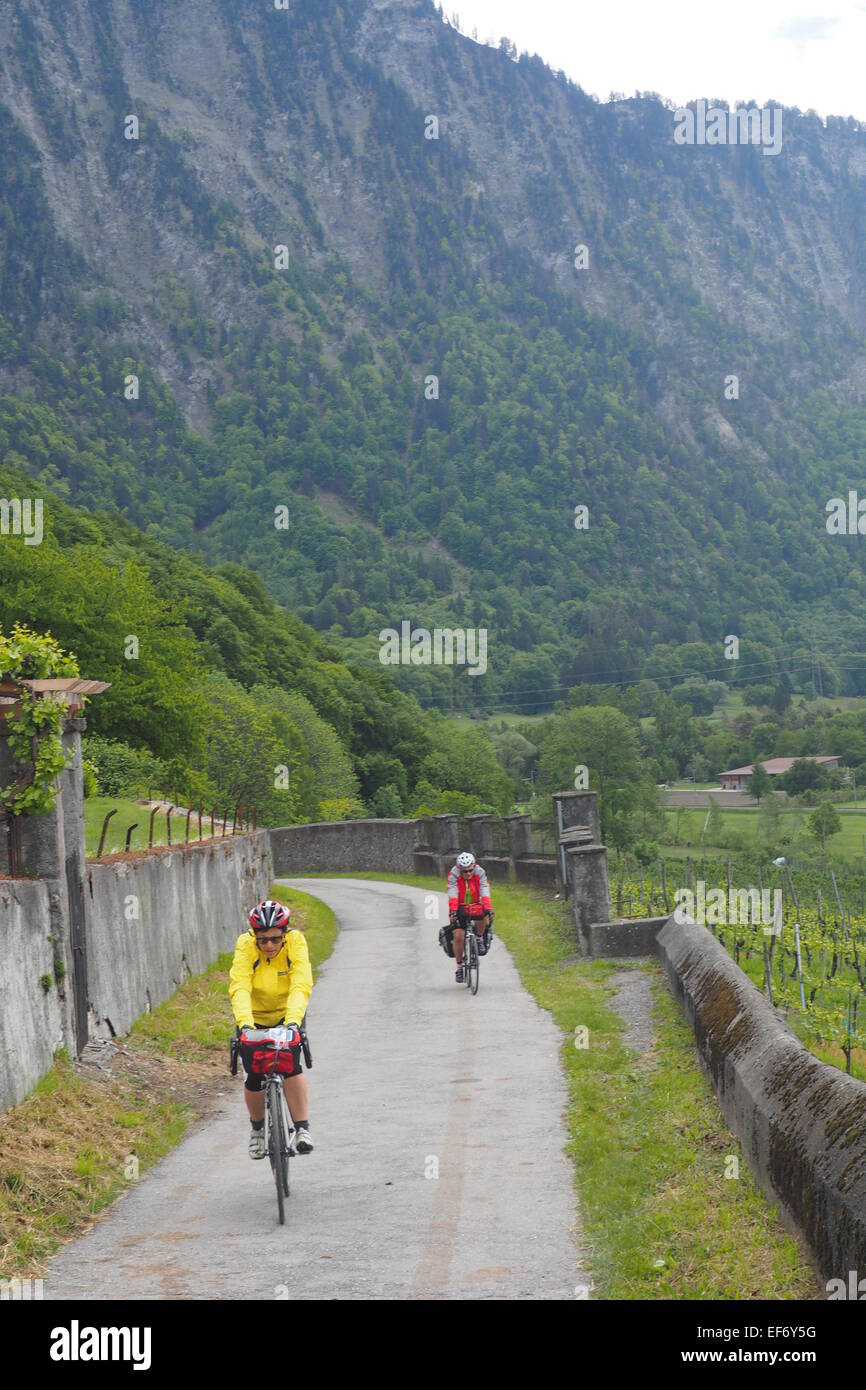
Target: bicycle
470, 960
471, 953
278, 1123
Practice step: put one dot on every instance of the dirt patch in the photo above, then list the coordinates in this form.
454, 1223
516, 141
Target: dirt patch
198, 1085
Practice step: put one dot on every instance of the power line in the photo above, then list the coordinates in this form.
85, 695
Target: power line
507, 701
755, 671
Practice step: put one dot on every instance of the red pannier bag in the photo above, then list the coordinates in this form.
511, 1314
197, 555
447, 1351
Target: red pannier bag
261, 1059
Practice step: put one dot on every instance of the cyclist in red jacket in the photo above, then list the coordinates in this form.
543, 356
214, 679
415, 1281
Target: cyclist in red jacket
468, 900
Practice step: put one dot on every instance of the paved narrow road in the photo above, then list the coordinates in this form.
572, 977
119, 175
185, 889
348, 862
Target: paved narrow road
412, 1076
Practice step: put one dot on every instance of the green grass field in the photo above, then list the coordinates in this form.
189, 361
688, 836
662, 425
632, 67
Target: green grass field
847, 845
128, 813
134, 813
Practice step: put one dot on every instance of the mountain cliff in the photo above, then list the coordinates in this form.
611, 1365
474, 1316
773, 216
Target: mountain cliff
429, 375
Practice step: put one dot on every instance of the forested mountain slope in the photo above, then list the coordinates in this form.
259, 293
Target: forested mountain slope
217, 692
409, 257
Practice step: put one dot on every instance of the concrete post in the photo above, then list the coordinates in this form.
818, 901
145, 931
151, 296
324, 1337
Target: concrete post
579, 811
426, 833
589, 888
70, 804
519, 828
47, 844
481, 834
446, 847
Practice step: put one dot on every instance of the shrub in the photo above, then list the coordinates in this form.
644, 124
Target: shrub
91, 777
120, 769
646, 852
386, 803
341, 808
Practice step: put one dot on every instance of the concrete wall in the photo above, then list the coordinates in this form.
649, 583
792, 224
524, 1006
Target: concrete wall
409, 846
538, 873
802, 1123
191, 904
625, 936
386, 845
31, 1019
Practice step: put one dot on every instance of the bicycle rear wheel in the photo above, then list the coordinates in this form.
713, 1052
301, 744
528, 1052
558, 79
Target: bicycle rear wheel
472, 962
277, 1145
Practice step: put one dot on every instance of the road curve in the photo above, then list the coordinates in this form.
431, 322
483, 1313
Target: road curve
412, 1077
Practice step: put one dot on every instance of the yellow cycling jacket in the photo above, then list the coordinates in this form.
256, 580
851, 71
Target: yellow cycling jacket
266, 992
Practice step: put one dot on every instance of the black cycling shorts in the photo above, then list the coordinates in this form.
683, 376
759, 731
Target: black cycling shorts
448, 931
463, 918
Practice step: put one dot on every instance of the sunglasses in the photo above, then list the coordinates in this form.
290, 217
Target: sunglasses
269, 940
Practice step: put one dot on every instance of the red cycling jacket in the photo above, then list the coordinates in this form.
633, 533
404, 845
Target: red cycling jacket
474, 889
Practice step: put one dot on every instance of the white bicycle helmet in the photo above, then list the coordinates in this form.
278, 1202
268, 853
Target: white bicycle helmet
466, 860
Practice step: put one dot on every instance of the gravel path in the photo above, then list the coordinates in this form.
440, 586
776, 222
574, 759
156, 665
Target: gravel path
633, 1002
412, 1078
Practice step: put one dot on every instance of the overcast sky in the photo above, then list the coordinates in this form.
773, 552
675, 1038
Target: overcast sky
810, 54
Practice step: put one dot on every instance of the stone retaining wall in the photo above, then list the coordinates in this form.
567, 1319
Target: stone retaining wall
343, 846
802, 1122
156, 919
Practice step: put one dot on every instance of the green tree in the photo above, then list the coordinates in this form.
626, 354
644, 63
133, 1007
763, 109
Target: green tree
463, 760
770, 823
715, 824
387, 803
782, 694
254, 753
803, 776
605, 741
823, 822
515, 753
759, 783
325, 771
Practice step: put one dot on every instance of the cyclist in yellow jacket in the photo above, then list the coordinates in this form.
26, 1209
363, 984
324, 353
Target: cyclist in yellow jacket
269, 984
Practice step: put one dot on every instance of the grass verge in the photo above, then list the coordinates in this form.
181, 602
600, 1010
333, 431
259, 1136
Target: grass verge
660, 1220
84, 1134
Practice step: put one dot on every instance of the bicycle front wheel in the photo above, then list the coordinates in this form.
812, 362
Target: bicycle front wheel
277, 1145
472, 965
288, 1134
